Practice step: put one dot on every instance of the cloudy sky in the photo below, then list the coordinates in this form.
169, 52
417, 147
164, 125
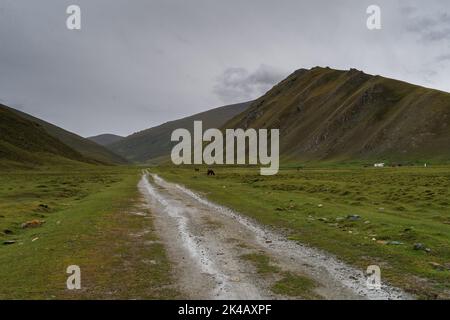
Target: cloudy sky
135, 64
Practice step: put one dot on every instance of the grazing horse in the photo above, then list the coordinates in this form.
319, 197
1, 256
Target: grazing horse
197, 169
211, 172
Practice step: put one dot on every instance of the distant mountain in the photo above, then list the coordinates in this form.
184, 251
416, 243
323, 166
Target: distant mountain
85, 147
326, 114
26, 142
153, 145
105, 139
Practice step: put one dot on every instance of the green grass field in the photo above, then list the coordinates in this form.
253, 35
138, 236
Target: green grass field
364, 216
83, 216
86, 217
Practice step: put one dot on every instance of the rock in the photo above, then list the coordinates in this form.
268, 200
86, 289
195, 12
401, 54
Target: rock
235, 279
353, 217
437, 266
32, 224
44, 206
7, 231
320, 205
419, 246
394, 243
268, 241
8, 242
33, 240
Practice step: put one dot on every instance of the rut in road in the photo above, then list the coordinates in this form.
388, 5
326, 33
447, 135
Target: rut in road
206, 241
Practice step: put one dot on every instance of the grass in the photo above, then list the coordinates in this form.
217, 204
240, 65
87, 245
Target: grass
261, 262
295, 286
396, 208
286, 283
89, 221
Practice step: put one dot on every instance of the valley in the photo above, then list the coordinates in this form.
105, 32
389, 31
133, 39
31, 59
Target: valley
140, 227
364, 216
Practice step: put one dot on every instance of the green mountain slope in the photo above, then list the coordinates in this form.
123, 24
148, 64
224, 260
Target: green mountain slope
105, 139
87, 148
153, 145
24, 141
326, 114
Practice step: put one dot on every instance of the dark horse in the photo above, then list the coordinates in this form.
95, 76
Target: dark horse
211, 172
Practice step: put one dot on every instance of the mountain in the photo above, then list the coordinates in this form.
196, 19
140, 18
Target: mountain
325, 114
85, 147
105, 139
27, 142
153, 145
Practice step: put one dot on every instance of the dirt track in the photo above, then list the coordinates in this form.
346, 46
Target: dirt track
205, 243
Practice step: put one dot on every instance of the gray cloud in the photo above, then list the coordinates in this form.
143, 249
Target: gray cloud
443, 57
432, 27
139, 63
238, 84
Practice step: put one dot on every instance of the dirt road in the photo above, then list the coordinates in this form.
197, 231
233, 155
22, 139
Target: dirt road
206, 242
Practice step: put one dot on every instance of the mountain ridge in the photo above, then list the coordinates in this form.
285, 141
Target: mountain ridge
25, 142
105, 139
154, 145
85, 147
325, 114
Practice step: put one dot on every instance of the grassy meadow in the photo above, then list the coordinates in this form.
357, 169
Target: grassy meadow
397, 218
84, 215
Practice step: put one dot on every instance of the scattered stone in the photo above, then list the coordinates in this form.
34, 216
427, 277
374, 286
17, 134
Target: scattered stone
323, 219
235, 279
320, 205
419, 246
8, 242
367, 222
394, 243
437, 266
353, 217
32, 224
33, 240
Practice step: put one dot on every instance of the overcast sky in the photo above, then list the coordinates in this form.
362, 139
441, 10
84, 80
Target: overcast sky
135, 64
